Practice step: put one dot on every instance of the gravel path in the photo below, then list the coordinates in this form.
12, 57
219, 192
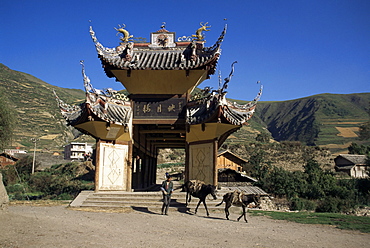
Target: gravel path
59, 226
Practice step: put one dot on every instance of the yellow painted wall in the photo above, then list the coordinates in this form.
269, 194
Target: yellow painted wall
160, 81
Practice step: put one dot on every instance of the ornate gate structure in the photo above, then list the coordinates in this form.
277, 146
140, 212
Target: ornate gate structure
160, 110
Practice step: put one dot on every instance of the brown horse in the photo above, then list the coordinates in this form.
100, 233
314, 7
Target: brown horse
200, 190
239, 199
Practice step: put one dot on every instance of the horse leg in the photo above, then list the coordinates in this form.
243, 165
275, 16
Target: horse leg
205, 206
227, 213
188, 199
196, 209
243, 214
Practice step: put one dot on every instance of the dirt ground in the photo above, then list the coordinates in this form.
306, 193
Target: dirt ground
59, 226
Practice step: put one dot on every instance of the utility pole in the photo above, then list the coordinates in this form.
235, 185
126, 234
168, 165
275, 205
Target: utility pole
34, 140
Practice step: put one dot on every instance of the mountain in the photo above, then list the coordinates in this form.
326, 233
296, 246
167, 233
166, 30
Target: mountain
329, 120
38, 114
326, 120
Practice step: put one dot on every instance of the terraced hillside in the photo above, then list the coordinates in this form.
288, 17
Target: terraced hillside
330, 120
38, 115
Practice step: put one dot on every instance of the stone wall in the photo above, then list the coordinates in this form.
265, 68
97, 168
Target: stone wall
4, 198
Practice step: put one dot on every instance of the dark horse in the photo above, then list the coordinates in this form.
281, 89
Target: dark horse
240, 199
200, 190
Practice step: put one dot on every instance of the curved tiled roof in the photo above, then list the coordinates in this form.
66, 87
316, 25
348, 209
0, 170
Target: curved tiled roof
107, 111
100, 105
216, 107
129, 56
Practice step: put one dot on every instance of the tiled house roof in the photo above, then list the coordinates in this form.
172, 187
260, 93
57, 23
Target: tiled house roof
350, 160
229, 153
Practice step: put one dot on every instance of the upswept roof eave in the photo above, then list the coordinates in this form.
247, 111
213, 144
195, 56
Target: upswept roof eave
99, 105
222, 109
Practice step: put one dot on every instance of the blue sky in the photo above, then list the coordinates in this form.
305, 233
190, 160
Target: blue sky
296, 48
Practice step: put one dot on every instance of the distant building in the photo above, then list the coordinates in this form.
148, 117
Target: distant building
228, 160
15, 151
77, 151
7, 159
353, 165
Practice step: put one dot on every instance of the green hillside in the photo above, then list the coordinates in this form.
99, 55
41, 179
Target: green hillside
37, 112
330, 120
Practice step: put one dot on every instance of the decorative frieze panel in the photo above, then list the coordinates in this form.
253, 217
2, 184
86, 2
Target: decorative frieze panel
173, 108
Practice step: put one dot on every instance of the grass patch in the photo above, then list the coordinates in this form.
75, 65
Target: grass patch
346, 222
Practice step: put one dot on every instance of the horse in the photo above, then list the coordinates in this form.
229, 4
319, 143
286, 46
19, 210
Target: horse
200, 190
239, 199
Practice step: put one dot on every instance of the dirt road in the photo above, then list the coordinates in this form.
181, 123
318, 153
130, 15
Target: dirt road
58, 226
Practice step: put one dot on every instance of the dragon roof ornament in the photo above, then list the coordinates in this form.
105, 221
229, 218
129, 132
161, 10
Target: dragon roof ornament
126, 37
198, 36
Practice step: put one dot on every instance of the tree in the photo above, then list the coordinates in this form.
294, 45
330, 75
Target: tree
7, 122
365, 131
355, 148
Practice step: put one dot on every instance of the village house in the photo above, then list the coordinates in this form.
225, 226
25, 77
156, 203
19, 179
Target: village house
15, 151
231, 168
77, 151
228, 160
353, 165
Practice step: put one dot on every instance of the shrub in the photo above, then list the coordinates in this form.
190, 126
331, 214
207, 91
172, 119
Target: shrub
57, 182
314, 188
13, 188
335, 205
299, 204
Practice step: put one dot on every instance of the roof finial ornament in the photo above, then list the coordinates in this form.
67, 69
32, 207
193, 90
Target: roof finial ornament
227, 80
163, 26
88, 86
126, 35
199, 33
